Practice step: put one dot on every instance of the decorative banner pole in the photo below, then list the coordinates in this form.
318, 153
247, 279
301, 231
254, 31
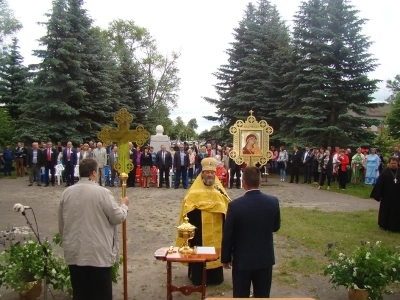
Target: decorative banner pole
122, 136
251, 141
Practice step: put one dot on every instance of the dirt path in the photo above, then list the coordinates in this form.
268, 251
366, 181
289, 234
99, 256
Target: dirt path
151, 225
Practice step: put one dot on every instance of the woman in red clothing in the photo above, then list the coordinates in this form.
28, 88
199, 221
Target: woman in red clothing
344, 162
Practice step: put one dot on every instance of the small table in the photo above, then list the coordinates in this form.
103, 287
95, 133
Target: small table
165, 255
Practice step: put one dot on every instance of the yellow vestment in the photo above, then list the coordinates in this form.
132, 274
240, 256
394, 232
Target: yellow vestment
212, 204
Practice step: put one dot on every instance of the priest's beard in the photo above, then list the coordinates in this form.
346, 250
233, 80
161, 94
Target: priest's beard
208, 181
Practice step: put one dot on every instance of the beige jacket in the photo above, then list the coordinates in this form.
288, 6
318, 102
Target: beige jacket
100, 155
88, 217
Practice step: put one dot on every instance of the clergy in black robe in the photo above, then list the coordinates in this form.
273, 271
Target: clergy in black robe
206, 209
387, 192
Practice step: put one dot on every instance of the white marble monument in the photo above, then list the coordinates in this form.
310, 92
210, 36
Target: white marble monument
159, 139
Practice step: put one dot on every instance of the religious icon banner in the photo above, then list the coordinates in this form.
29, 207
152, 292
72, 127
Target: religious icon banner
251, 141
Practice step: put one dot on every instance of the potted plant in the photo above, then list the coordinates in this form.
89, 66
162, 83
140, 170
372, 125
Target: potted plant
366, 272
22, 266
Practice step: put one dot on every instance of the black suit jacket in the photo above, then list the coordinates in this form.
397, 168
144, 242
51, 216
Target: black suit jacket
73, 158
168, 159
40, 160
53, 156
177, 160
308, 158
249, 224
295, 159
133, 157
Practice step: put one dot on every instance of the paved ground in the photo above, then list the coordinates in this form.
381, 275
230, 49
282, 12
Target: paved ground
151, 224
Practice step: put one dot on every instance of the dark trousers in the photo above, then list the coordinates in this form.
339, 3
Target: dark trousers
260, 278
7, 167
182, 171
316, 175
49, 167
307, 173
232, 174
164, 172
342, 179
113, 174
69, 173
191, 173
322, 178
132, 177
91, 283
34, 171
295, 173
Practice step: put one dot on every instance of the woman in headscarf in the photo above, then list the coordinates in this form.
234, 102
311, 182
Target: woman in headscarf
357, 165
372, 162
251, 146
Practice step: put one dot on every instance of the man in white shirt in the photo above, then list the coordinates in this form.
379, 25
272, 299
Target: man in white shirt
100, 155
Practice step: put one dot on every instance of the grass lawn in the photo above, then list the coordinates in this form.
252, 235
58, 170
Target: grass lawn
360, 190
308, 232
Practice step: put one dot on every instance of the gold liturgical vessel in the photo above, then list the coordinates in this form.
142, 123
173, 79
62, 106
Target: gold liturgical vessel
186, 233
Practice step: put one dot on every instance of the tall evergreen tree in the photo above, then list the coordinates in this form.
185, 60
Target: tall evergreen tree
130, 90
258, 60
13, 80
331, 77
72, 92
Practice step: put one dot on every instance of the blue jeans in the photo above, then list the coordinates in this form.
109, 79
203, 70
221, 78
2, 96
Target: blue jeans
274, 167
283, 173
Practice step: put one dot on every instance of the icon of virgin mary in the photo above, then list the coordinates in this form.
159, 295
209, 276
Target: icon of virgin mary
251, 146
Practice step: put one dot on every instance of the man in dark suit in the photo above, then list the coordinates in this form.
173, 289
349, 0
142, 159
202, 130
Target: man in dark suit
295, 160
132, 158
306, 159
69, 163
35, 162
181, 166
164, 164
112, 160
234, 169
50, 162
247, 241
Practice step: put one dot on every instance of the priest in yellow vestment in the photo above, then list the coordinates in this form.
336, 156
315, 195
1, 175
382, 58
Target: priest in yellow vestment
206, 208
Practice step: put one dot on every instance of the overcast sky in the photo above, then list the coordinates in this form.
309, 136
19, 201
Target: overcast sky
202, 31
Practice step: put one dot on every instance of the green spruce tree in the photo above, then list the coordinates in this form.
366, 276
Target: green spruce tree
130, 87
258, 60
330, 91
73, 88
13, 80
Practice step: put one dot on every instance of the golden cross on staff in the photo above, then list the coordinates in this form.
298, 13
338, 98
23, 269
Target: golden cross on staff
122, 136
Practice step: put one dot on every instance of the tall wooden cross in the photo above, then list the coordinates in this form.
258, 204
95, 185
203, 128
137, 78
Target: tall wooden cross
122, 136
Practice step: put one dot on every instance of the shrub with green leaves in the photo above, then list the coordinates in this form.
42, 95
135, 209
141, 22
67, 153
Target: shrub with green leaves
372, 267
24, 262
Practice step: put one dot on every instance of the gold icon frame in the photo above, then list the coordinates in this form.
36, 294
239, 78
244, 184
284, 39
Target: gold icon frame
259, 132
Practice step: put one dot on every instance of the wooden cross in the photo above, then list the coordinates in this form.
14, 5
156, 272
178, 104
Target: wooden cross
123, 135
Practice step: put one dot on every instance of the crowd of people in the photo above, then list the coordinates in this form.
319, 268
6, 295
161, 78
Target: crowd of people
322, 165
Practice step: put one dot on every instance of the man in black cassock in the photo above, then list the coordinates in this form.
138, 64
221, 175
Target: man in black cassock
387, 192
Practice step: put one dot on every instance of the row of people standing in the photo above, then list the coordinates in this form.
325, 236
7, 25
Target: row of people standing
338, 165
